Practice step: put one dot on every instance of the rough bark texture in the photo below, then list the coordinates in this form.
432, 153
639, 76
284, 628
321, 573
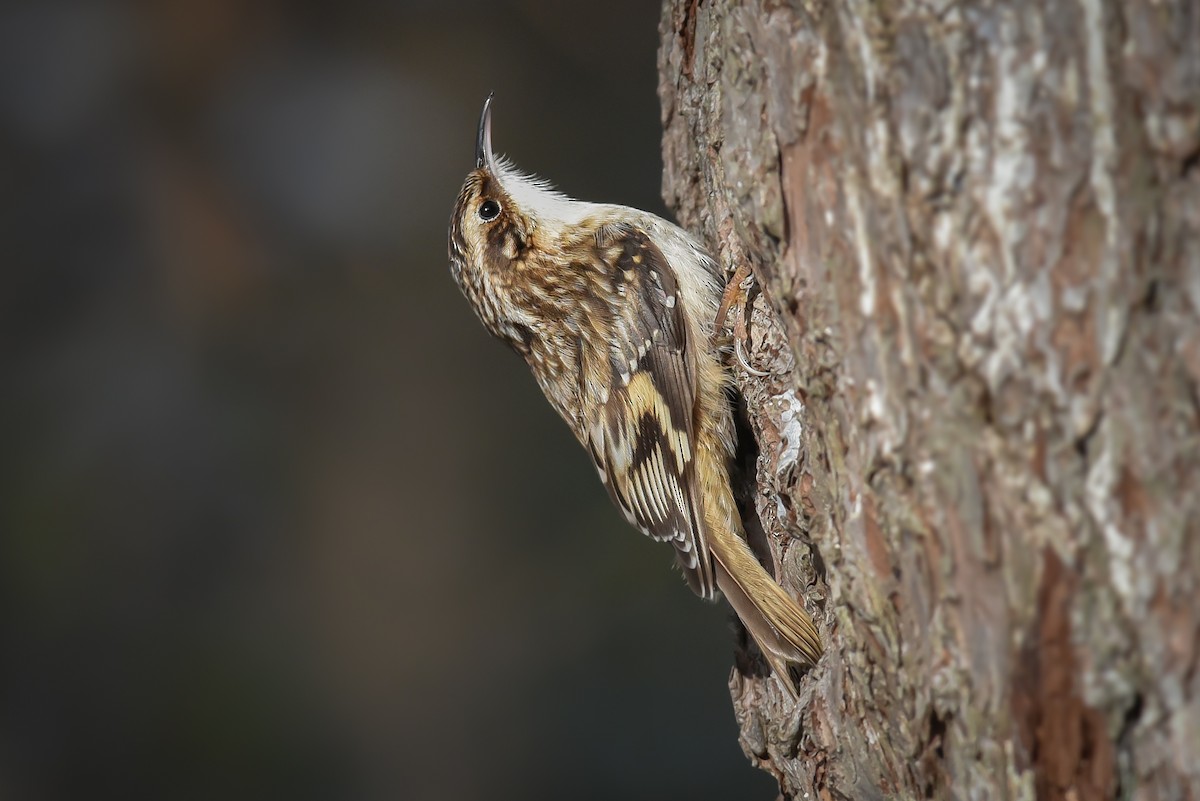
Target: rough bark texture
976, 231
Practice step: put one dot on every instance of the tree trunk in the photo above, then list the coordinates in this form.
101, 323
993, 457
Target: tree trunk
975, 229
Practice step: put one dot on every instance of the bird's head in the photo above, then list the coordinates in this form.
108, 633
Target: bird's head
501, 218
488, 229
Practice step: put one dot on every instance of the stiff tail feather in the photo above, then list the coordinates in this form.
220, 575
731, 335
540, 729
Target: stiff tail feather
784, 632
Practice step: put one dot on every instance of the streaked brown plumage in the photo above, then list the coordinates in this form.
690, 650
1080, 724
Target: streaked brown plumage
612, 309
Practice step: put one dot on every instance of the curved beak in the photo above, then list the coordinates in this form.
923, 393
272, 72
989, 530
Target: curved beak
483, 144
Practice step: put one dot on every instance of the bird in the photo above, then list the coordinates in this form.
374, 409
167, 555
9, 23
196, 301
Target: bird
612, 308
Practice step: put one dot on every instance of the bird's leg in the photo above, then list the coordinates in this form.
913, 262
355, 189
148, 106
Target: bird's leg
738, 291
732, 290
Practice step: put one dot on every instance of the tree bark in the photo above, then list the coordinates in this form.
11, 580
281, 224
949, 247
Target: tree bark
975, 229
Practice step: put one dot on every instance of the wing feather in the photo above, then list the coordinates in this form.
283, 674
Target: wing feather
642, 434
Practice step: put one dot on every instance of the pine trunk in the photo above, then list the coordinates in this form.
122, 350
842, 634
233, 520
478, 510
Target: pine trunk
975, 229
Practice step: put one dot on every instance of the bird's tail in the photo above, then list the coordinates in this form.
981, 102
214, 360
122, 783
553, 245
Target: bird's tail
783, 630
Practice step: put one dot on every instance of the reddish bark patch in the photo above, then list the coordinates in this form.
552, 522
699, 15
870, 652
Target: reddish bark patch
1074, 334
1065, 742
687, 36
876, 547
808, 181
1135, 502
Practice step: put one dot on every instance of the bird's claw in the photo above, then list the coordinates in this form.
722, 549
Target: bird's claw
739, 286
737, 350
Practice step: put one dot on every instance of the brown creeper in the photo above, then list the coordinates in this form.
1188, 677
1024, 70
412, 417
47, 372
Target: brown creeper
611, 308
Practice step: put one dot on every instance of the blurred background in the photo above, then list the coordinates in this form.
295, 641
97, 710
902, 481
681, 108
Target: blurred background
277, 518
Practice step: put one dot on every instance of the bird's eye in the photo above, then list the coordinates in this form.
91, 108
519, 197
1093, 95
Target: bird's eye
489, 210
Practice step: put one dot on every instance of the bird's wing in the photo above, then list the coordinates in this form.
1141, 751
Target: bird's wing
641, 434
